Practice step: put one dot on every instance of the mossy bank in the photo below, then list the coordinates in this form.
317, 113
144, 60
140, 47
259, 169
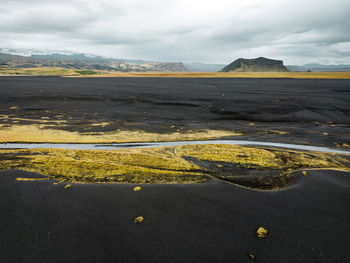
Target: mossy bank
261, 168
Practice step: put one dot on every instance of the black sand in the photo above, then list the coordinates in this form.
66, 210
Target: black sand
306, 108
211, 222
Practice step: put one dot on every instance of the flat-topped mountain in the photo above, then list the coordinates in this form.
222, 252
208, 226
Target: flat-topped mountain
260, 64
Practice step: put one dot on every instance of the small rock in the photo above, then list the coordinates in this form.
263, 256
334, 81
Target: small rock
304, 173
345, 145
137, 188
67, 186
261, 232
138, 220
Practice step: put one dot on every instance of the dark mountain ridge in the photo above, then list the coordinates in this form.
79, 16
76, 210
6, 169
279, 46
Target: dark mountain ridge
260, 64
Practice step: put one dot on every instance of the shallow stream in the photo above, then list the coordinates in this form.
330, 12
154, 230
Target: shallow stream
114, 146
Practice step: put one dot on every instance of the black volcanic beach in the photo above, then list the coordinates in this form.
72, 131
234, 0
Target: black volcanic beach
311, 111
212, 221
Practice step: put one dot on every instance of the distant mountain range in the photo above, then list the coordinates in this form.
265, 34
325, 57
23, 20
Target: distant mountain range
202, 67
321, 68
26, 58
83, 61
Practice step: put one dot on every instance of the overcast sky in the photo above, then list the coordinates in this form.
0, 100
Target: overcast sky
218, 31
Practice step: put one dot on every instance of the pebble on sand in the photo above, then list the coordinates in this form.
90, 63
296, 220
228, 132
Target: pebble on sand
137, 188
261, 232
138, 220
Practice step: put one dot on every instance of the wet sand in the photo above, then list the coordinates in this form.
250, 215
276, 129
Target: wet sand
210, 222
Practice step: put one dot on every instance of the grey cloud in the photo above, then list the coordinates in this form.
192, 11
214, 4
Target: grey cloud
215, 32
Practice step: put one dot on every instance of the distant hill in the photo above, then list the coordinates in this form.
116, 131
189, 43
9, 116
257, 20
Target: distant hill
320, 68
83, 61
202, 67
260, 64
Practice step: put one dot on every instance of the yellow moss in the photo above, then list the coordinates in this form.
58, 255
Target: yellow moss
126, 165
161, 165
43, 120
59, 182
101, 124
67, 186
344, 145
338, 125
261, 232
138, 220
258, 157
137, 188
30, 179
230, 153
304, 173
40, 133
279, 132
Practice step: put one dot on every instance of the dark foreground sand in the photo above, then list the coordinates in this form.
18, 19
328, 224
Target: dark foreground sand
210, 222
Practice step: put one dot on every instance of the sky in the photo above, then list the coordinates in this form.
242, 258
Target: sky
220, 31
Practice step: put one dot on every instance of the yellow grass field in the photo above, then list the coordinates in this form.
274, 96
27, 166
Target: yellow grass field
55, 71
39, 71
294, 75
